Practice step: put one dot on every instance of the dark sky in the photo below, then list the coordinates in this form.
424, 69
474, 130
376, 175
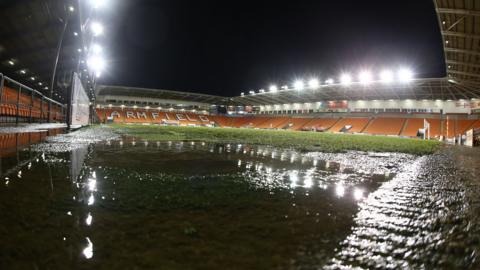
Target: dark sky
226, 47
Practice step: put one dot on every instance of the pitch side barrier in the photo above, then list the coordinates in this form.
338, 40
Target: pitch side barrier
20, 103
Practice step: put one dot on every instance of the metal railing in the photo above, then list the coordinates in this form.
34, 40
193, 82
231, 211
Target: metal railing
22, 104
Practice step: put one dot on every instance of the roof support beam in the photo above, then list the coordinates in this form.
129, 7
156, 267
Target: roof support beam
462, 51
458, 11
464, 73
459, 34
452, 62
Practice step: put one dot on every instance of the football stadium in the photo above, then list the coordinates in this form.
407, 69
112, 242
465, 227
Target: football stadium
374, 167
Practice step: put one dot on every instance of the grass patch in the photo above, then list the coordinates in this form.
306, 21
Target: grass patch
309, 141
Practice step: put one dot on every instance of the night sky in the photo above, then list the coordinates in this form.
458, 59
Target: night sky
228, 47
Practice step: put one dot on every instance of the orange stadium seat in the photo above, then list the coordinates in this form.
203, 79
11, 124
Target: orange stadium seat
274, 122
457, 127
322, 124
385, 126
254, 122
357, 124
412, 126
296, 123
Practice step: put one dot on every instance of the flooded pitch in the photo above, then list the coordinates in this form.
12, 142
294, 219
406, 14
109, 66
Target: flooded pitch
94, 200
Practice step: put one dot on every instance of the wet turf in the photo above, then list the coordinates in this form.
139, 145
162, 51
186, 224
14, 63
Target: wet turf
310, 141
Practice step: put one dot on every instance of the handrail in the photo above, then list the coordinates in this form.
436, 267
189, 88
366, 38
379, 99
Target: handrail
31, 90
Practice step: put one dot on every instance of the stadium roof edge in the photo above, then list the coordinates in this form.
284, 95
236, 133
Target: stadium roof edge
162, 94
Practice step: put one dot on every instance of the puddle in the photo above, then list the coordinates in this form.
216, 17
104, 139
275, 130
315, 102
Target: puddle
123, 203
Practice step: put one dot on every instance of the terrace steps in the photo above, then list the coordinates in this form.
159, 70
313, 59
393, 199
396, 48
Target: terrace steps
405, 124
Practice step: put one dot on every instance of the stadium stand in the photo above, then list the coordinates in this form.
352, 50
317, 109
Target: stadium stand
385, 126
19, 103
397, 125
350, 125
412, 126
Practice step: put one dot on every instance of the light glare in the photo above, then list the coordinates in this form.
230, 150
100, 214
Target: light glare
273, 88
365, 77
96, 48
345, 79
98, 3
405, 75
97, 29
386, 76
314, 83
299, 85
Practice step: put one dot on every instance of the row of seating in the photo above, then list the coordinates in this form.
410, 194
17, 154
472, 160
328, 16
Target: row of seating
401, 126
27, 106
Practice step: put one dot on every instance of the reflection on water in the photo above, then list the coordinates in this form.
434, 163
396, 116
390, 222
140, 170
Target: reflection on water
135, 204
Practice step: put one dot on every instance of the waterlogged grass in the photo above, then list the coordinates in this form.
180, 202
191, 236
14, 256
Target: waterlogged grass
311, 141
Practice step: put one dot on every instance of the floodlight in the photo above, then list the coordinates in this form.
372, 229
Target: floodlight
96, 64
329, 81
299, 85
71, 8
97, 28
273, 88
98, 3
314, 83
405, 75
345, 79
386, 76
96, 49
365, 77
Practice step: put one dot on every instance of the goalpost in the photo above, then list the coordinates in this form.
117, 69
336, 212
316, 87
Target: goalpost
426, 128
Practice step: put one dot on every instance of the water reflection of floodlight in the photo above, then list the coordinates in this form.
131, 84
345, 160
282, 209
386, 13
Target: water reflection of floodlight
345, 79
298, 85
97, 29
365, 77
386, 76
405, 75
273, 88
314, 83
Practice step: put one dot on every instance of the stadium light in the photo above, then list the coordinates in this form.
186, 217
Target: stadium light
96, 64
285, 87
98, 3
329, 81
365, 77
314, 83
97, 29
71, 8
386, 76
405, 75
23, 71
345, 79
273, 88
96, 49
299, 85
